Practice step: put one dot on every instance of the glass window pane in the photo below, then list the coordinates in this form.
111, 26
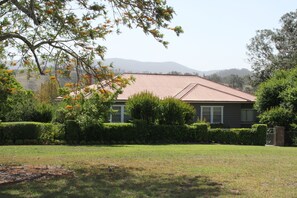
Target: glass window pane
116, 115
247, 115
250, 115
217, 115
243, 115
206, 114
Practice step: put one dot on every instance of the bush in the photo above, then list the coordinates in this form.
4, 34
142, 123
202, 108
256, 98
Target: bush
51, 133
144, 106
200, 132
223, 136
42, 113
277, 116
291, 135
30, 132
254, 136
259, 134
73, 133
123, 133
176, 112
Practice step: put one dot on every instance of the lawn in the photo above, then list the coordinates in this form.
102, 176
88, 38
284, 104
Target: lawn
157, 171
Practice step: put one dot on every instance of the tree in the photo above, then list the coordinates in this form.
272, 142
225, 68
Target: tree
144, 106
215, 78
176, 112
8, 84
235, 81
48, 92
271, 50
58, 36
277, 99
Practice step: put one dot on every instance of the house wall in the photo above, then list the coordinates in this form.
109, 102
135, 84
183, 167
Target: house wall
231, 115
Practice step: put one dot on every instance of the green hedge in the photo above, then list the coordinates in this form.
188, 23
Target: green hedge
247, 136
30, 133
124, 133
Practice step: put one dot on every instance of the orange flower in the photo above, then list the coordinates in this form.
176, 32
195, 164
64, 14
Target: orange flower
102, 91
9, 71
68, 85
53, 78
66, 97
69, 107
50, 11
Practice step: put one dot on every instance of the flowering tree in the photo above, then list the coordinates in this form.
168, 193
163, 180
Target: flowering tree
8, 84
58, 36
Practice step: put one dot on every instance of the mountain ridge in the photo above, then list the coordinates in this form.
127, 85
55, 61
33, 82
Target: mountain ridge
134, 66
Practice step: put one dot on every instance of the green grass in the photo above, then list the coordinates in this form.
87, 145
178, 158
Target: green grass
158, 171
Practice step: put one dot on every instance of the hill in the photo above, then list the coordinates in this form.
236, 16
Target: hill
133, 66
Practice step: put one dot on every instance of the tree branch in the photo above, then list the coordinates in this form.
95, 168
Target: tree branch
27, 42
28, 12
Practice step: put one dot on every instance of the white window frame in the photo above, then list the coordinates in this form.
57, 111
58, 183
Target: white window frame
122, 112
245, 121
211, 113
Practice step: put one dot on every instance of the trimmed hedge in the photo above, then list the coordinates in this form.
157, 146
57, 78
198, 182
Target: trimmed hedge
111, 133
122, 133
247, 136
30, 133
125, 133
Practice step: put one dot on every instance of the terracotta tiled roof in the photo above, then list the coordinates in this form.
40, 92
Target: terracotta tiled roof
186, 88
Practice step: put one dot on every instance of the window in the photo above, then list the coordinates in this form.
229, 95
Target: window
248, 115
116, 115
212, 114
119, 114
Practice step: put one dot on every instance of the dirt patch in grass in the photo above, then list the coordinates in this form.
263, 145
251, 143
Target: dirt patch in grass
10, 174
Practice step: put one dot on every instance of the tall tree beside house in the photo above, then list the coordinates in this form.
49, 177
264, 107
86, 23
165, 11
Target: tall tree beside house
271, 50
277, 99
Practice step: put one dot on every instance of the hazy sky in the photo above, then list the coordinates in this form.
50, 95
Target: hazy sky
216, 33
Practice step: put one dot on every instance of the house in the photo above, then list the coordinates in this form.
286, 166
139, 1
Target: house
215, 103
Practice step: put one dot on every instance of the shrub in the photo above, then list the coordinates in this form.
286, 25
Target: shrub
223, 136
254, 136
260, 131
51, 133
30, 132
200, 132
42, 113
277, 116
176, 112
144, 106
73, 133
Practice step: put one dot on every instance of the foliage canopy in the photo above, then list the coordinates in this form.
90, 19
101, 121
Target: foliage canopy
277, 98
271, 50
65, 35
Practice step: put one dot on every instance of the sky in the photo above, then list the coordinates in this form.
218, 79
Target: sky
216, 33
